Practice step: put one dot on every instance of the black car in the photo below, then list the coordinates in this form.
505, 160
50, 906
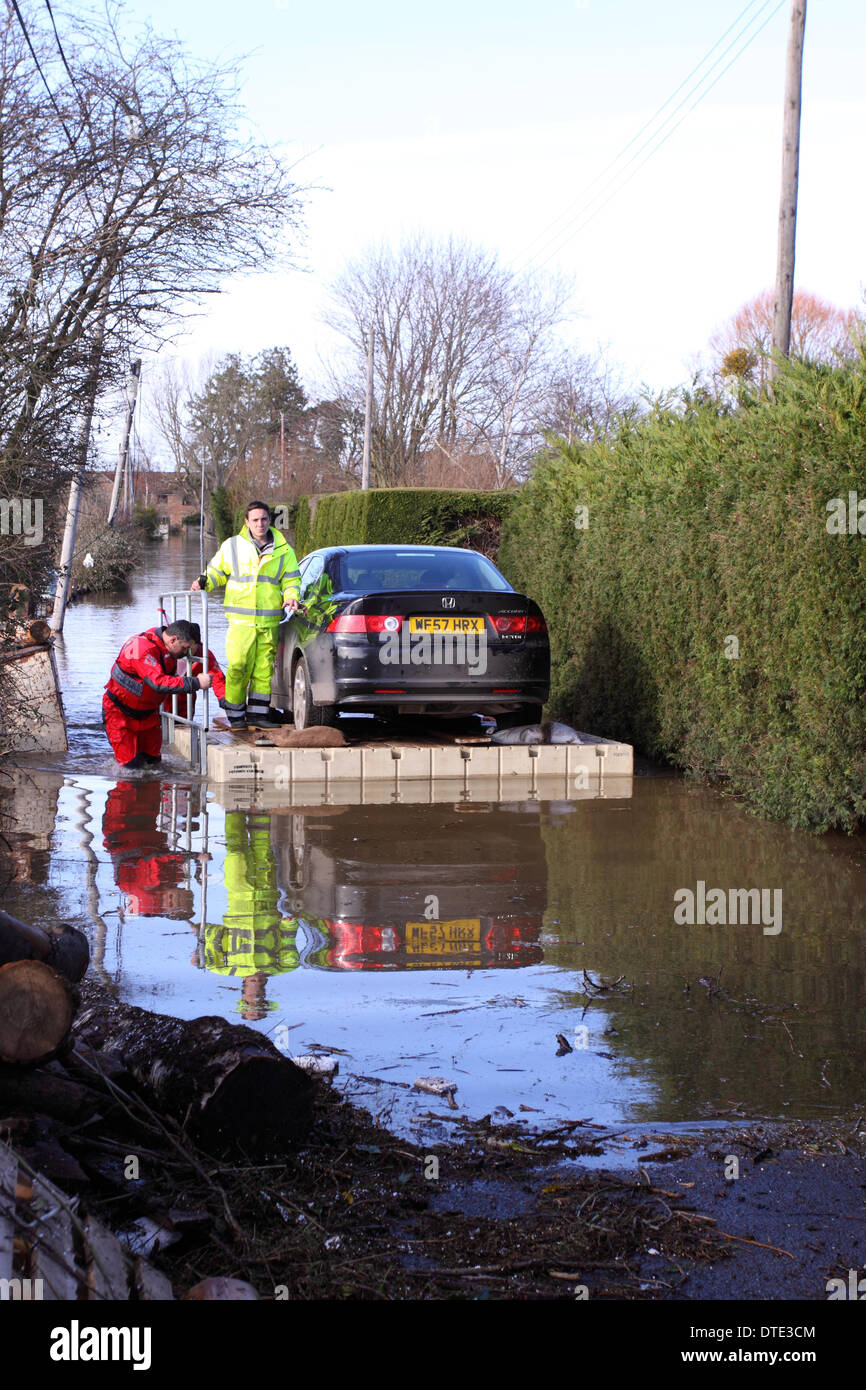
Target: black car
410, 629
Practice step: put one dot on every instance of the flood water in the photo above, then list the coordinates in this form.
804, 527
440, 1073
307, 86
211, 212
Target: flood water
457, 937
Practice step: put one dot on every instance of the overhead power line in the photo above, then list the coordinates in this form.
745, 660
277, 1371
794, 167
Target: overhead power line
51, 96
553, 241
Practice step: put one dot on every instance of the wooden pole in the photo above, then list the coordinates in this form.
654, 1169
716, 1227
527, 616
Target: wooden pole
784, 297
70, 529
283, 486
131, 397
368, 415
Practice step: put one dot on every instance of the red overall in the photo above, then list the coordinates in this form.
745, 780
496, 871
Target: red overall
146, 870
141, 678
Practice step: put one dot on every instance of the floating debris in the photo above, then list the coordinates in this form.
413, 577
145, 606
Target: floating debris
317, 1064
437, 1086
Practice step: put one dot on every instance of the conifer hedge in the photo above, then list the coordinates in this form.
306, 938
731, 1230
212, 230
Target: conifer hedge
403, 515
704, 580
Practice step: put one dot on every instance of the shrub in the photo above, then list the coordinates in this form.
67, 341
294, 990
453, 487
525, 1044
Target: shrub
409, 516
704, 525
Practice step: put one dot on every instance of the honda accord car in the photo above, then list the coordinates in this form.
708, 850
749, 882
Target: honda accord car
410, 629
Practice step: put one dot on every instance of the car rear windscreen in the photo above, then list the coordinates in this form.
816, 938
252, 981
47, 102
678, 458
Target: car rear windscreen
371, 571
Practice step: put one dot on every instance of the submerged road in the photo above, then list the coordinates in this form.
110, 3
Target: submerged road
658, 960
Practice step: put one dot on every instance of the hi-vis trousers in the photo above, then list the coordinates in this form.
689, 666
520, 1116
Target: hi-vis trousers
250, 653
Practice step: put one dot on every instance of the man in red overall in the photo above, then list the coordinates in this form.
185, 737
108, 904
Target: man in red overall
141, 678
196, 666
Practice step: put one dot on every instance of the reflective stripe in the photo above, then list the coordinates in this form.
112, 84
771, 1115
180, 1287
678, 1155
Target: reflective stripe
233, 709
254, 612
293, 574
216, 577
233, 551
128, 682
266, 579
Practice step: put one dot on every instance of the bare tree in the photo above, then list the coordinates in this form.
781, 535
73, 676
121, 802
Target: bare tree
123, 197
584, 398
463, 351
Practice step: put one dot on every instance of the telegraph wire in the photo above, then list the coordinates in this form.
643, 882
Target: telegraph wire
542, 236
20, 19
661, 142
557, 239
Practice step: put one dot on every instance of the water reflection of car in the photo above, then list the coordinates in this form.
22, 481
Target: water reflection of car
419, 887
410, 630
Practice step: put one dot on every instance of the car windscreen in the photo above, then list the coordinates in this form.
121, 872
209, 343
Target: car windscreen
372, 571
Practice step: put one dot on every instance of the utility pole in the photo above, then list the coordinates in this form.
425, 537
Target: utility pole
283, 487
784, 296
368, 415
131, 398
67, 550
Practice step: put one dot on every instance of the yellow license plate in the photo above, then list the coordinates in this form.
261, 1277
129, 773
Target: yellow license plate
446, 624
443, 938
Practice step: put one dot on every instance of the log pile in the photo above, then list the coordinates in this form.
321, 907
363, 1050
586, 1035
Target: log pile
82, 1092
229, 1088
38, 971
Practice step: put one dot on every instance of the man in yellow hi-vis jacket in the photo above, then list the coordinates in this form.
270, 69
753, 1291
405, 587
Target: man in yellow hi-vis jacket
260, 573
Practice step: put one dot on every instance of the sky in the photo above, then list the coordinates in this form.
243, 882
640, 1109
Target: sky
503, 122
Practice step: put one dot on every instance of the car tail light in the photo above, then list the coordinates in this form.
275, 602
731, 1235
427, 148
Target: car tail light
503, 624
366, 622
518, 624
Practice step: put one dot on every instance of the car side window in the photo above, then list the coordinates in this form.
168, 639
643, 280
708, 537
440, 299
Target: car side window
311, 574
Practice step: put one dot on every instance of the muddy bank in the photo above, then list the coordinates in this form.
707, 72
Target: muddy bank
352, 1212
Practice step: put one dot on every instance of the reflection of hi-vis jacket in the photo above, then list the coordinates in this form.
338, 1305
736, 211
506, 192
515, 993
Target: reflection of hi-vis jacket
253, 938
252, 950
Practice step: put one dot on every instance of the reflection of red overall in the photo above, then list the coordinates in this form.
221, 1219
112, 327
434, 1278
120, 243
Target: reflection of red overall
141, 677
218, 687
145, 869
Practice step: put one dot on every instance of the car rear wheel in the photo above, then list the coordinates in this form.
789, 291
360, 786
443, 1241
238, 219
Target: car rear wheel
306, 714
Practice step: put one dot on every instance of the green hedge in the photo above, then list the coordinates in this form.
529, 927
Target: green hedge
409, 516
705, 526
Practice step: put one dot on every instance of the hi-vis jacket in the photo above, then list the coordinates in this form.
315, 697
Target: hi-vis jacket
257, 584
143, 675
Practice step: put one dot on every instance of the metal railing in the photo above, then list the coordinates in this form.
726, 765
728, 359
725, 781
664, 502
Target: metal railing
198, 730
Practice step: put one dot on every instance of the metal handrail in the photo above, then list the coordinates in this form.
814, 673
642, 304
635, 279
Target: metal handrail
174, 717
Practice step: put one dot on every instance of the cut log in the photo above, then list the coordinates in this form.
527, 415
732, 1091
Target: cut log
36, 1011
230, 1088
39, 631
62, 946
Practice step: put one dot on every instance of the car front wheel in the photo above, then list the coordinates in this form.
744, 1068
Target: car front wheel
306, 714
